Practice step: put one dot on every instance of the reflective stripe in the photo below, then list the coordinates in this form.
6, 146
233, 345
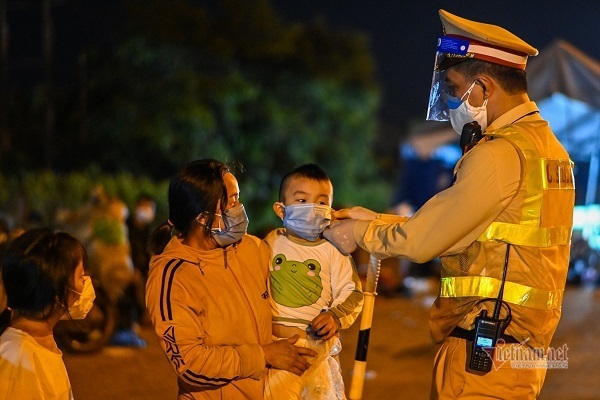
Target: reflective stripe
514, 293
531, 214
518, 59
541, 175
526, 235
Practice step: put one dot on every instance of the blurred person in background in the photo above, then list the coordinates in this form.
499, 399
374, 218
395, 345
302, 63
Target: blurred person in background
139, 225
101, 226
110, 257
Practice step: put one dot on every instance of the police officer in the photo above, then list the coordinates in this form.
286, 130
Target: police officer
506, 218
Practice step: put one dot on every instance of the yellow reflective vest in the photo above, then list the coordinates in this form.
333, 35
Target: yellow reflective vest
516, 188
539, 240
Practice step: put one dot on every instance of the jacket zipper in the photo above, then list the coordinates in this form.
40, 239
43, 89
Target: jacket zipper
247, 302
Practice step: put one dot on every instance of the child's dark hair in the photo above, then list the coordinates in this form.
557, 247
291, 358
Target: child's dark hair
198, 187
37, 272
310, 171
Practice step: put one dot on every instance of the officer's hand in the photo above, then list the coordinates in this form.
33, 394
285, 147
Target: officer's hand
340, 234
282, 354
356, 212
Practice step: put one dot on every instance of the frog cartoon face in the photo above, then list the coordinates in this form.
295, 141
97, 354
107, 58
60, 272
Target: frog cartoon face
295, 283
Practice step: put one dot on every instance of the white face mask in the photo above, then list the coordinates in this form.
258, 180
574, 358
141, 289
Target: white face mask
84, 303
236, 226
461, 112
307, 220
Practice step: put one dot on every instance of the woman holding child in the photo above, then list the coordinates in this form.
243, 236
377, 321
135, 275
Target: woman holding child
207, 291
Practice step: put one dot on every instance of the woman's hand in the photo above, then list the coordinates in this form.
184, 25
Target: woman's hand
282, 354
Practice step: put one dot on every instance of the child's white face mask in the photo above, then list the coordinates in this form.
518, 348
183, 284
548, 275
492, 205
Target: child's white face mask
307, 220
84, 303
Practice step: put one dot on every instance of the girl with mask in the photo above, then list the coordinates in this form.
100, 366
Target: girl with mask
44, 281
315, 290
207, 291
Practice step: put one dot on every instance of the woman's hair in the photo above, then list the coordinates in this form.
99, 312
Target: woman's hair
37, 272
197, 188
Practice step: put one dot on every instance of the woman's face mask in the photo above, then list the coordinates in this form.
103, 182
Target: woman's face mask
307, 220
461, 112
84, 303
236, 225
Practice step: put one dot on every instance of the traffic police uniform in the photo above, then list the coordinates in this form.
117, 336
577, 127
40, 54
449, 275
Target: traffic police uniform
514, 188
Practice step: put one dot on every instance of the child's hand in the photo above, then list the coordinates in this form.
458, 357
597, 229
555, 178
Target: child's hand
326, 325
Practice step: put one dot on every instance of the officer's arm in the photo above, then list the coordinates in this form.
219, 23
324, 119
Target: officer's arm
487, 181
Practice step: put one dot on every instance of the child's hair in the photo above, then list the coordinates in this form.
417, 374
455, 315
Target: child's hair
310, 171
197, 188
37, 272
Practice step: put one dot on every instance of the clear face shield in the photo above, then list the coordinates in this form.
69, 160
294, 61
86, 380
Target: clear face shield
450, 51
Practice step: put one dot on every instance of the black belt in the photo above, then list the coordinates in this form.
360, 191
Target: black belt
468, 335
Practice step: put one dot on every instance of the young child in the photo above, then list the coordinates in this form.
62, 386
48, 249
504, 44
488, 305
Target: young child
43, 275
314, 289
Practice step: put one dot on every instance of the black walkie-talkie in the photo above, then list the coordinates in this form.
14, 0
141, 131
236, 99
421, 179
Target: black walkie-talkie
489, 329
487, 333
471, 134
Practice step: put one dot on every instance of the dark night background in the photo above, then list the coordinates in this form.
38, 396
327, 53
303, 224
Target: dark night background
402, 36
